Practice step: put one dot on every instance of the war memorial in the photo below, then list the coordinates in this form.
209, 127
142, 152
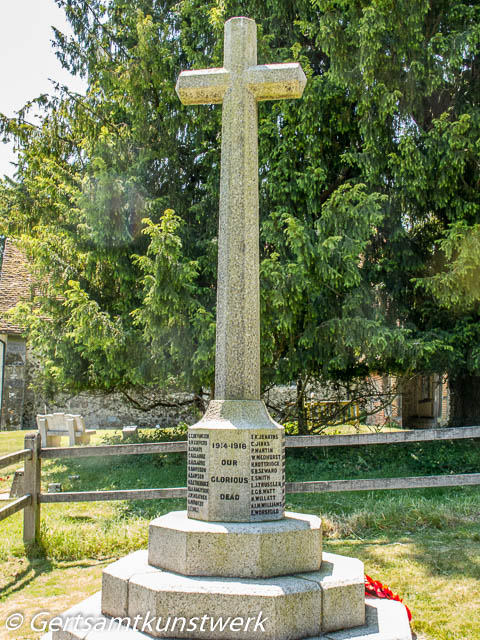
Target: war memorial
235, 564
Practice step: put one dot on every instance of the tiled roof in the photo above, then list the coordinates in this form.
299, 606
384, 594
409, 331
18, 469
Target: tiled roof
15, 283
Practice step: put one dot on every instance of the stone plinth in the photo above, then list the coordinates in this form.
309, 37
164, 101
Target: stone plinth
244, 550
384, 620
236, 461
278, 608
115, 579
342, 582
297, 606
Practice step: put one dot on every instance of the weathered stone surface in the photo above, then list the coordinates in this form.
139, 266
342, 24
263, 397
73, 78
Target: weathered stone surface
85, 621
342, 581
206, 86
385, 620
252, 550
292, 605
276, 81
333, 596
13, 387
236, 464
219, 442
115, 579
239, 84
289, 607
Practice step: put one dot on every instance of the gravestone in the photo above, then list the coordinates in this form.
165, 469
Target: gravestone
235, 560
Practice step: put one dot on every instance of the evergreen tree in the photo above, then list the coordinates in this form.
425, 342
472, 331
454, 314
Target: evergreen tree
116, 199
414, 70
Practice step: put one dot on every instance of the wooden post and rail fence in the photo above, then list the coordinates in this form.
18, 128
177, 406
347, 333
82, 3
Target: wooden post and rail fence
33, 454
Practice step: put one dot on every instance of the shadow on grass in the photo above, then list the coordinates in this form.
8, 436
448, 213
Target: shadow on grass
450, 560
438, 555
38, 565
77, 519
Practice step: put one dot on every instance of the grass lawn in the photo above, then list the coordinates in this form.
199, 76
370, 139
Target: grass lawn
424, 544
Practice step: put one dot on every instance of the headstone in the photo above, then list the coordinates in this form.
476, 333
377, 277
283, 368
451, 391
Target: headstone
128, 431
236, 452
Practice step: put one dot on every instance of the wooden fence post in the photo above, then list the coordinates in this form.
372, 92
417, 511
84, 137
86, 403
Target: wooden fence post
31, 513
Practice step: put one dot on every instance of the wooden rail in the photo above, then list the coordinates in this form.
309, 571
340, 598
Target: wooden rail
13, 507
316, 486
33, 455
387, 437
376, 484
12, 458
121, 494
113, 450
354, 439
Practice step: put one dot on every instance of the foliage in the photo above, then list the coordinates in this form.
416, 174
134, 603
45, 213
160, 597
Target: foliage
116, 197
414, 70
369, 196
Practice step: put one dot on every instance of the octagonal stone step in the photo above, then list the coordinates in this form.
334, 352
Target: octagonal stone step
295, 606
384, 620
231, 549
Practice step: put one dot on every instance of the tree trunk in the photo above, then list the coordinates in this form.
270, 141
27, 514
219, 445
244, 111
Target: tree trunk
199, 402
464, 401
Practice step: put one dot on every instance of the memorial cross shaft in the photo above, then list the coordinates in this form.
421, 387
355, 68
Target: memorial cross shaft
236, 452
239, 85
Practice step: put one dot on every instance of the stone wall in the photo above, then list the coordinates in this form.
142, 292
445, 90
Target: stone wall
13, 383
108, 411
21, 404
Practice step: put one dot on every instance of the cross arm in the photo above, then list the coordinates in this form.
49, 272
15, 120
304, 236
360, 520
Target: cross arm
276, 81
206, 86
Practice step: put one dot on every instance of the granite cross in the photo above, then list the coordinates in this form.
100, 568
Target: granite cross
236, 468
235, 554
239, 85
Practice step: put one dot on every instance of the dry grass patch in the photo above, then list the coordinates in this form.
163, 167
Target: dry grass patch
437, 578
31, 586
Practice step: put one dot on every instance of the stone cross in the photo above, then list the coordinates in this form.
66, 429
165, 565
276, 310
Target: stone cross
236, 457
239, 85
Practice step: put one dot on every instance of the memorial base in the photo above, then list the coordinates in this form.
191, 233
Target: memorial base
236, 464
293, 606
321, 598
232, 549
384, 620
